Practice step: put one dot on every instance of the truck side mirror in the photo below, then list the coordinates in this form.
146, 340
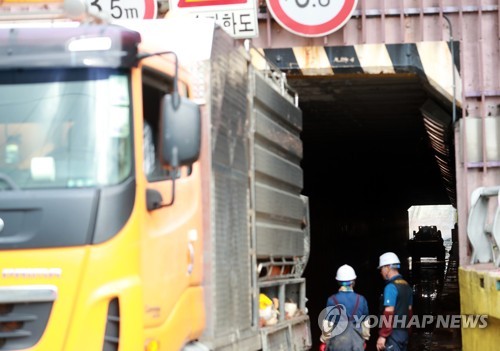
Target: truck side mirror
180, 131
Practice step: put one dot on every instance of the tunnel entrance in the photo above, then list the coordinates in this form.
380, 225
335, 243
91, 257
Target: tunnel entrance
367, 159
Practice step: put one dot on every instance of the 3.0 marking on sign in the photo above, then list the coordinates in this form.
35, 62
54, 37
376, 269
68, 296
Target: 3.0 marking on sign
304, 3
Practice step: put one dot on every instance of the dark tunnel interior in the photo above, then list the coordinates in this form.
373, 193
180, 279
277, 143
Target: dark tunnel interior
367, 159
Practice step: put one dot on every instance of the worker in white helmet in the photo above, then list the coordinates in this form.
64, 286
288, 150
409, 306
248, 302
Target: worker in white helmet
396, 305
356, 309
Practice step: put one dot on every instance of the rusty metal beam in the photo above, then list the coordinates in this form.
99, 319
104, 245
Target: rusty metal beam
415, 11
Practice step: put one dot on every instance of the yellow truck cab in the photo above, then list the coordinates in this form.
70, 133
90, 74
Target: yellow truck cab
84, 216
149, 195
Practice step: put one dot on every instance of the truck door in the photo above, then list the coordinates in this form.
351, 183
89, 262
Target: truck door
172, 232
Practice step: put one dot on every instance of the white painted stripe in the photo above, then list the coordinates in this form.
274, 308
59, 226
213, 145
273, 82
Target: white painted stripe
437, 62
313, 60
374, 58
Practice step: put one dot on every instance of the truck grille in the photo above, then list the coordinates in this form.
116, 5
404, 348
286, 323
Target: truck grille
24, 312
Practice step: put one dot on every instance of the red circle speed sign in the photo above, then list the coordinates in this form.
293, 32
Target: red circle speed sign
311, 18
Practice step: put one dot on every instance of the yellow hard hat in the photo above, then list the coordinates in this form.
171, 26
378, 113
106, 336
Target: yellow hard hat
264, 301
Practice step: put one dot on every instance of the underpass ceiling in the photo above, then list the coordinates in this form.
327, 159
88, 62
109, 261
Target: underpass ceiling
373, 119
367, 105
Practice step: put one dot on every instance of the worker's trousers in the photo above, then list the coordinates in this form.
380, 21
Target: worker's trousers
349, 340
397, 341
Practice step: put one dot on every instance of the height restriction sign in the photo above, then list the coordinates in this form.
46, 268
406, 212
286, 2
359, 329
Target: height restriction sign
123, 9
311, 18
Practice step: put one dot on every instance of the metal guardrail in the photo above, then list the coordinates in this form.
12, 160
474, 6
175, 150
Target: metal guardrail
272, 73
483, 227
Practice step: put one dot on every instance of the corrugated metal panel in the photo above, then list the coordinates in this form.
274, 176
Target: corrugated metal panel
278, 205
439, 129
256, 204
286, 242
232, 309
279, 209
276, 167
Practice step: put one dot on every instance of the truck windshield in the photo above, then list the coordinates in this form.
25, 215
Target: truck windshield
64, 128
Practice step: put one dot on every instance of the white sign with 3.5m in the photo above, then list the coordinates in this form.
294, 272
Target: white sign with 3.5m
123, 9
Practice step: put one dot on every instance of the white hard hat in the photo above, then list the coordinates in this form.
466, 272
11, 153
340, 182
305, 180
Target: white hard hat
387, 259
345, 273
